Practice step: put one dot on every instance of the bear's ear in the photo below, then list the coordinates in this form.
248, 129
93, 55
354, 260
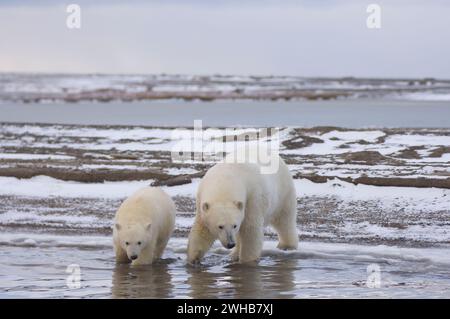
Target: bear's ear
239, 205
205, 207
118, 226
148, 227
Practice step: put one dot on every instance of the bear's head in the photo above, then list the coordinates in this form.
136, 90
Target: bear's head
223, 220
134, 238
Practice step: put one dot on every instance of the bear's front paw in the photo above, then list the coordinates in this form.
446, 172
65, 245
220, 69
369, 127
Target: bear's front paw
286, 246
234, 255
194, 256
194, 261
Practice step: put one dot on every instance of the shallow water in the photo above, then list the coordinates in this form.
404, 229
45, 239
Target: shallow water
40, 272
345, 113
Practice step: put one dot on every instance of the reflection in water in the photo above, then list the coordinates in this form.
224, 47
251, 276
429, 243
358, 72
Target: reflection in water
276, 276
268, 279
243, 281
142, 281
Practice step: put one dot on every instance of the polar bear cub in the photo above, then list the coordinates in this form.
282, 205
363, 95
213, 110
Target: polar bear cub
143, 225
235, 201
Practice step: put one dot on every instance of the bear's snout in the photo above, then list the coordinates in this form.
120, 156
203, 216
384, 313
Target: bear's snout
230, 245
133, 257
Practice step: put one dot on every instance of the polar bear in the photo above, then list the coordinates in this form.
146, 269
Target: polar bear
143, 225
235, 201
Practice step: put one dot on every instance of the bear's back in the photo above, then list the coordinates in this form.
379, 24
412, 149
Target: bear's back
148, 203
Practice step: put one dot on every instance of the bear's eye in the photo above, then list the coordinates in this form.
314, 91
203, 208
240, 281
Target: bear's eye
221, 227
234, 226
127, 243
139, 243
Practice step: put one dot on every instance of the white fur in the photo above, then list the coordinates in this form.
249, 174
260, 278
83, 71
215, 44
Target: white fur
265, 199
146, 217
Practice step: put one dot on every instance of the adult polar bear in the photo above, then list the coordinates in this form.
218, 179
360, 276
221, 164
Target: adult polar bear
235, 200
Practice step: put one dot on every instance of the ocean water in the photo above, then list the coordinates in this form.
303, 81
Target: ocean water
342, 113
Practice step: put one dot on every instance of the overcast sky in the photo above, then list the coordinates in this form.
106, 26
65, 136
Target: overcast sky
306, 38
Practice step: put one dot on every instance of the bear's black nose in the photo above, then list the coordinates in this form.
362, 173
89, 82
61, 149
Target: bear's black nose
133, 257
230, 245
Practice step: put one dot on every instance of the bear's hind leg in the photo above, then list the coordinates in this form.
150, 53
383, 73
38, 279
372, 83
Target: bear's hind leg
285, 225
287, 237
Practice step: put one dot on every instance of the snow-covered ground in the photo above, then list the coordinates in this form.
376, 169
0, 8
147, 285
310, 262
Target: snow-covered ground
330, 152
405, 216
